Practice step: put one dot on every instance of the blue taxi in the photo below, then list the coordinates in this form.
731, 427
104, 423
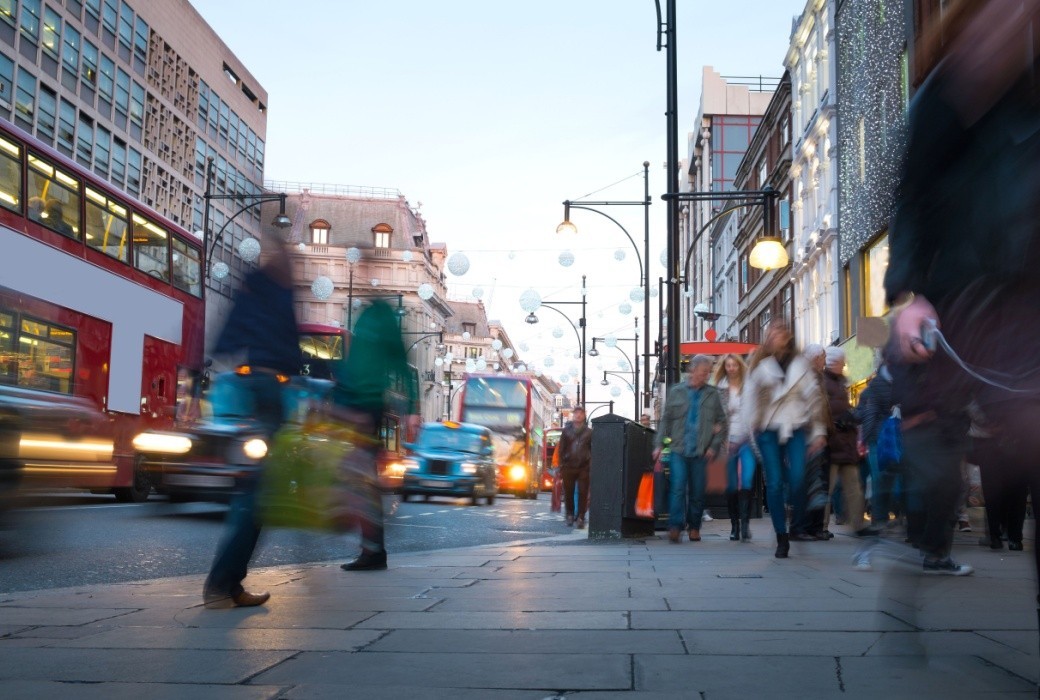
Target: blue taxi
451, 459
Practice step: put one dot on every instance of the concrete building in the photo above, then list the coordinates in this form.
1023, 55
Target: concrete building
812, 60
873, 90
142, 93
730, 111
769, 295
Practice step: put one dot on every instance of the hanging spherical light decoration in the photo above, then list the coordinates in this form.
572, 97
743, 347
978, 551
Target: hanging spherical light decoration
375, 281
530, 300
653, 292
557, 332
565, 378
623, 365
425, 291
619, 254
249, 249
615, 392
355, 304
548, 361
664, 258
512, 255
478, 292
458, 264
200, 234
496, 344
449, 356
637, 294
624, 308
524, 347
465, 335
688, 293
406, 256
438, 361
507, 353
353, 255
220, 270
471, 364
566, 258
301, 247
481, 364
577, 354
610, 341
322, 288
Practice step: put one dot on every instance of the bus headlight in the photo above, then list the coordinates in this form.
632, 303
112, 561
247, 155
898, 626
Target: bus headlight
162, 442
398, 468
255, 449
517, 473
469, 468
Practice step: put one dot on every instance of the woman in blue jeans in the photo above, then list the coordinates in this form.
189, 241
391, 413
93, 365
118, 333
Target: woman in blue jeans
740, 463
783, 409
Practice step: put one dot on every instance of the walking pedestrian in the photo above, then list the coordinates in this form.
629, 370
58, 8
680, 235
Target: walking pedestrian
740, 461
696, 425
261, 330
818, 491
576, 459
782, 409
377, 359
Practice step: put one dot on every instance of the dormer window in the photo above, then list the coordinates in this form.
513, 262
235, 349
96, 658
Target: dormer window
382, 233
320, 232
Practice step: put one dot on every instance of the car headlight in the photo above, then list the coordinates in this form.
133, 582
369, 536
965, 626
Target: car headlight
396, 468
469, 468
409, 464
255, 448
517, 473
162, 442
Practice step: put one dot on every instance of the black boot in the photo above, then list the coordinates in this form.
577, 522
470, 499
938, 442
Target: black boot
744, 498
366, 561
783, 546
731, 506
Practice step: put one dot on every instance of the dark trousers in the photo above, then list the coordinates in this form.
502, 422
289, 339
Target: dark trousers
1004, 486
932, 461
368, 501
242, 529
572, 478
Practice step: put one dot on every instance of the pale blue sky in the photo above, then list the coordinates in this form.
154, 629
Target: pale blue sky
491, 114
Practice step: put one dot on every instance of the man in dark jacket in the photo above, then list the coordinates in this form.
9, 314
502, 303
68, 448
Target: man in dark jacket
575, 449
695, 424
841, 440
261, 330
875, 406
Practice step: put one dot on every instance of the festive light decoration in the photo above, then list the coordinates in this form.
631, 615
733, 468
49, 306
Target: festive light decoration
219, 270
524, 347
615, 392
496, 344
637, 294
653, 292
353, 255
478, 292
249, 249
301, 247
507, 353
664, 258
481, 364
471, 364
375, 281
566, 258
465, 335
619, 254
557, 332
548, 361
458, 264
624, 308
425, 291
322, 288
530, 300
406, 256
610, 341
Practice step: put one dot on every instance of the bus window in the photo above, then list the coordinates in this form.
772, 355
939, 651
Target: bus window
150, 250
8, 356
106, 226
10, 174
53, 198
45, 356
187, 270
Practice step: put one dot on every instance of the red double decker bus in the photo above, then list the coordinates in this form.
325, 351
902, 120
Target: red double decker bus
101, 299
508, 405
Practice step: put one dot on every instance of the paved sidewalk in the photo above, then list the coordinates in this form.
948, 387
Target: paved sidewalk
569, 617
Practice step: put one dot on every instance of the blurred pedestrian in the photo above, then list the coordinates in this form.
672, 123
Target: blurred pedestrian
644, 420
696, 425
376, 360
261, 332
964, 252
875, 406
782, 409
740, 460
575, 448
818, 492
1003, 488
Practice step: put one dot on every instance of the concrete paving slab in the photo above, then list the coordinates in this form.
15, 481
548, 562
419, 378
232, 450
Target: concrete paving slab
781, 620
1019, 665
396, 692
780, 643
440, 670
22, 616
63, 633
532, 641
34, 690
498, 620
1026, 642
737, 676
956, 676
112, 600
536, 603
210, 638
129, 665
270, 616
937, 644
758, 604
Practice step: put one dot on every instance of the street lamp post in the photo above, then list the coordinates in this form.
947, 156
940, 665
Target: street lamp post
254, 200
635, 365
353, 255
644, 260
532, 318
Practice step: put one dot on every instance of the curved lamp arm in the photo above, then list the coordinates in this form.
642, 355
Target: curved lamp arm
568, 205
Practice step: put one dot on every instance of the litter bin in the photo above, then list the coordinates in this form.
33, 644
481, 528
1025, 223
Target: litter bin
622, 451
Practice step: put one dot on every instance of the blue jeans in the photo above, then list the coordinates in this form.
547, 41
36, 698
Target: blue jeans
784, 464
745, 479
686, 486
242, 529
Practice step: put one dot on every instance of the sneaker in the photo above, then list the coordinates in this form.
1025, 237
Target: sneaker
946, 567
707, 517
964, 526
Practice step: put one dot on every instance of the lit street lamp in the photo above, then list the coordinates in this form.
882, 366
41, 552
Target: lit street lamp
568, 227
531, 301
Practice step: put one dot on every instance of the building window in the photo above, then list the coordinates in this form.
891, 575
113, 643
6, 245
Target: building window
141, 39
25, 99
67, 128
785, 130
320, 232
107, 78
763, 173
88, 70
47, 113
51, 32
6, 79
30, 20
875, 263
8, 8
382, 234
122, 92
137, 103
70, 50
42, 356
730, 136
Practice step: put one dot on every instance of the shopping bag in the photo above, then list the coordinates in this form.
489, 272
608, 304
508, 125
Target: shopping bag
645, 496
303, 484
890, 441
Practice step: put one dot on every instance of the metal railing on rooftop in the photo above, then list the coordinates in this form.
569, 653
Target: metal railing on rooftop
337, 190
756, 83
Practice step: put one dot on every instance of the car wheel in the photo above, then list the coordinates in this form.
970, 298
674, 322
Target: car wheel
405, 497
141, 487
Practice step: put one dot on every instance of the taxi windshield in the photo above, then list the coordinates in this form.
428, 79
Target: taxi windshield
444, 438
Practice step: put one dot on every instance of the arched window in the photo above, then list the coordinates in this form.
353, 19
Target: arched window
320, 232
382, 235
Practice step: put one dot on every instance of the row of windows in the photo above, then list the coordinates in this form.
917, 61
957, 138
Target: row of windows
58, 200
36, 354
221, 122
320, 233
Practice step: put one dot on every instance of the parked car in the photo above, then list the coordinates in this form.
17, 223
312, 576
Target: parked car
209, 460
451, 459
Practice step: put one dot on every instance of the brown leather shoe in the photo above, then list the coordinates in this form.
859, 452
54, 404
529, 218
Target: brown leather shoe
245, 599
673, 535
695, 535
